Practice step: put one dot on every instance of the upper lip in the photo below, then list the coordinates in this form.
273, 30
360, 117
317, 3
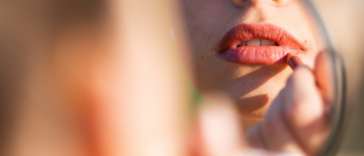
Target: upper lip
246, 32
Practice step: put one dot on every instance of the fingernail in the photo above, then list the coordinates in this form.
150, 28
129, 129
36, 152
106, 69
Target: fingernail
293, 61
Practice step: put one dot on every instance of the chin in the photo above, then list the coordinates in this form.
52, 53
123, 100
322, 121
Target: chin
256, 114
256, 103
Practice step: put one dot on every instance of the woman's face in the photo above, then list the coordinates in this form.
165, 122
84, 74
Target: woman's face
239, 47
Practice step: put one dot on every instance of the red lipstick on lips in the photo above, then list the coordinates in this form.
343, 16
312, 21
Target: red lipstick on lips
239, 45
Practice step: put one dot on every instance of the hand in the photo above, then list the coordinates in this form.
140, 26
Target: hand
219, 132
297, 121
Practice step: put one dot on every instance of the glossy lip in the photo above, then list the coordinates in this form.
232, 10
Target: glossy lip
228, 48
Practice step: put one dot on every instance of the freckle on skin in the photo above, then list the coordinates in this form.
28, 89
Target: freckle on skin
305, 41
201, 57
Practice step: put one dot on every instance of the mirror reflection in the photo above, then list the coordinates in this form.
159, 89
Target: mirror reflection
240, 49
108, 78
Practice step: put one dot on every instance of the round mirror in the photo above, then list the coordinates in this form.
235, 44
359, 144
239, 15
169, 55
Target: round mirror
242, 49
114, 77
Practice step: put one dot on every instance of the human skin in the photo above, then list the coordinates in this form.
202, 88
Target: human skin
285, 128
163, 107
252, 87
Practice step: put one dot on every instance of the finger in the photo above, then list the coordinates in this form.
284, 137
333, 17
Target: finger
324, 76
304, 110
293, 61
219, 129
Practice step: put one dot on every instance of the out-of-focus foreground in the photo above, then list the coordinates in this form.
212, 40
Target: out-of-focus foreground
90, 77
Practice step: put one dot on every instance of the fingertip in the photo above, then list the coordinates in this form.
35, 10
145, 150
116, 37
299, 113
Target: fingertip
322, 57
324, 73
293, 61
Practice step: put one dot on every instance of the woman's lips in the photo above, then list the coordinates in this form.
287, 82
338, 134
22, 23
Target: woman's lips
258, 44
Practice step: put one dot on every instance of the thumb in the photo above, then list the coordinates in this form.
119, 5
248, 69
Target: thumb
324, 75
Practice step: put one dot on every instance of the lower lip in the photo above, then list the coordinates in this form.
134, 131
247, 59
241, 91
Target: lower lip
258, 54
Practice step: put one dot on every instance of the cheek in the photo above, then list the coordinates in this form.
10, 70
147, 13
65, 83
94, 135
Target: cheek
206, 22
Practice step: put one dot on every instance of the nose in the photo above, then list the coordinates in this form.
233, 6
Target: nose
244, 3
